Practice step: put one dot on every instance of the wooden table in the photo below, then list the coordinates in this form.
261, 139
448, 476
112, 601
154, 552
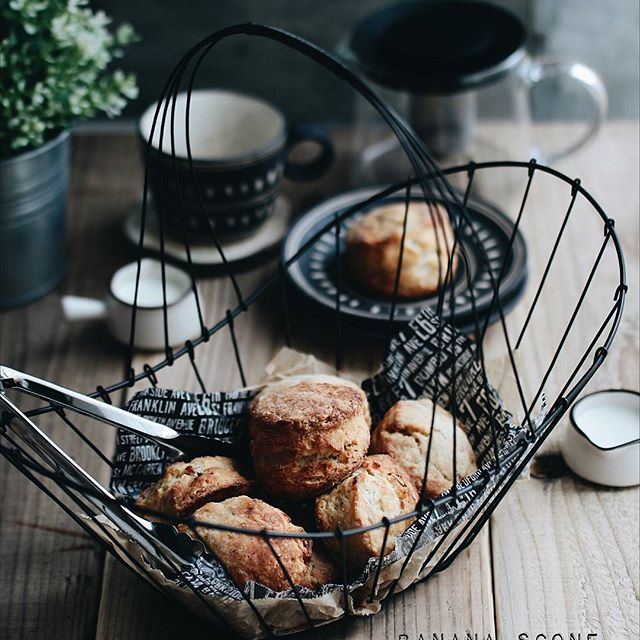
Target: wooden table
559, 556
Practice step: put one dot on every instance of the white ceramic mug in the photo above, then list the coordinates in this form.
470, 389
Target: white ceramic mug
183, 321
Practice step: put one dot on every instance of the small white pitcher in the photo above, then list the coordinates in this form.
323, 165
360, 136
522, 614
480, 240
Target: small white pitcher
183, 322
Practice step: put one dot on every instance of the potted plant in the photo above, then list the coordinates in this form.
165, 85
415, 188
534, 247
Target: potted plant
55, 58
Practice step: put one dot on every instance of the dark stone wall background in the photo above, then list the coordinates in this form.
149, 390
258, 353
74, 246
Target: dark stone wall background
601, 33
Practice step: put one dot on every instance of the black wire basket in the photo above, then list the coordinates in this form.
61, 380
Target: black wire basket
506, 422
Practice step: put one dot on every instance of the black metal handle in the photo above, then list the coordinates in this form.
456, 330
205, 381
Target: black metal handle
317, 167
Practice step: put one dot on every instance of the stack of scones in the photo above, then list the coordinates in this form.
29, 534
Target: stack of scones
317, 465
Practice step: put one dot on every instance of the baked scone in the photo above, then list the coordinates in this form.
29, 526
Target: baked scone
373, 250
248, 557
404, 434
379, 488
185, 486
307, 433
322, 570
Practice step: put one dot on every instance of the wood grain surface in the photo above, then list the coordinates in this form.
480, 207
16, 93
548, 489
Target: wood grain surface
559, 556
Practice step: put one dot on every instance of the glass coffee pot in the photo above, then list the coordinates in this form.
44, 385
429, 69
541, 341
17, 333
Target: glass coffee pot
459, 72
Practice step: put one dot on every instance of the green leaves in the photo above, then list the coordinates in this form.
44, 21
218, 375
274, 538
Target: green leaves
54, 56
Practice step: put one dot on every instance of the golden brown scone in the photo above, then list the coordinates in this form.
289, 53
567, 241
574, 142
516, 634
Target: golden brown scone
322, 570
247, 557
379, 488
404, 433
308, 433
185, 486
373, 250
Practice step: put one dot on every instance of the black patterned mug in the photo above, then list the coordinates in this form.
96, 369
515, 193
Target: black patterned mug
239, 146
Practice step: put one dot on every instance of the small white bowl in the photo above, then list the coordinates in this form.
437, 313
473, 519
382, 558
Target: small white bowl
602, 442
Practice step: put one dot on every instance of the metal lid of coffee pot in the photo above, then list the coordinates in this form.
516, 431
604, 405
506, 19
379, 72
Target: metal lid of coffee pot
438, 47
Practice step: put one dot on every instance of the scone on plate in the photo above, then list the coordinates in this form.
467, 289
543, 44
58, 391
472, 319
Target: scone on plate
379, 488
307, 433
185, 486
249, 557
373, 250
404, 434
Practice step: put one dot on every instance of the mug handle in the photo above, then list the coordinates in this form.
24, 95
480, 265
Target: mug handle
542, 69
79, 309
302, 171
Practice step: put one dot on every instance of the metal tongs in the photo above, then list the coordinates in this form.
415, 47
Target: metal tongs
162, 541
179, 445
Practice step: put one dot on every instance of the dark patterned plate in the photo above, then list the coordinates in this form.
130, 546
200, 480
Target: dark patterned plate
315, 273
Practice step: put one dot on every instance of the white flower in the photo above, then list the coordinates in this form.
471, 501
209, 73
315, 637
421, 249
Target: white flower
66, 79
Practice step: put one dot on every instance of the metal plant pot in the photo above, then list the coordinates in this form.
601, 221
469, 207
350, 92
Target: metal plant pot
33, 200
